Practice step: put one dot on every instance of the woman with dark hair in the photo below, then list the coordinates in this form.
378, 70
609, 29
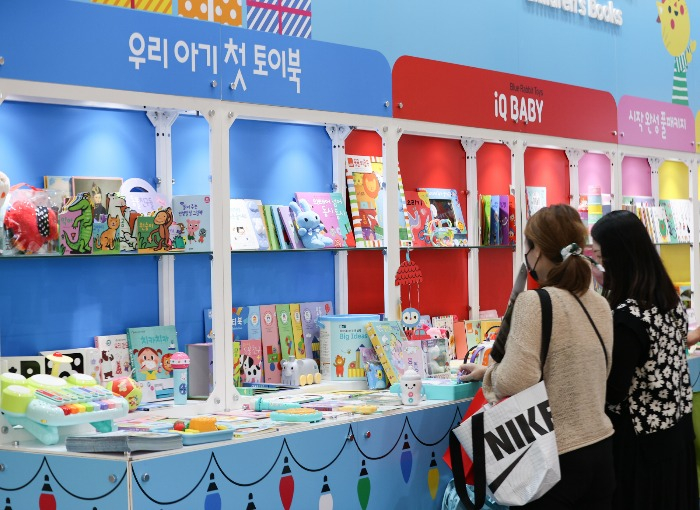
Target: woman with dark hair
577, 363
649, 396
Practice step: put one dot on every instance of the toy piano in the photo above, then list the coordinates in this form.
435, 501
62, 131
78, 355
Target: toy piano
43, 403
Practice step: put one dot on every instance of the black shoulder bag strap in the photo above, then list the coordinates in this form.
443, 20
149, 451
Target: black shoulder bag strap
600, 338
479, 458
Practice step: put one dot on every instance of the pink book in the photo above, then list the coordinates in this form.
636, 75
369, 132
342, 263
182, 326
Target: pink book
322, 204
251, 360
272, 358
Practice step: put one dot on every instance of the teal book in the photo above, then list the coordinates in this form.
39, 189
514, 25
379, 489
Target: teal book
150, 349
344, 225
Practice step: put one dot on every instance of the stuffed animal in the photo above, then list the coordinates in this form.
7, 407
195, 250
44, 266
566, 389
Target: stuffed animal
437, 352
30, 226
309, 226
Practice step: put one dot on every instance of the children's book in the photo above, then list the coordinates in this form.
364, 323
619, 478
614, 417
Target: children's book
666, 205
270, 228
473, 333
272, 359
251, 364
405, 234
536, 197
285, 329
114, 358
105, 236
153, 231
485, 219
243, 234
75, 226
503, 218
84, 360
297, 331
116, 206
495, 223
25, 366
342, 339
287, 218
246, 323
511, 220
343, 221
447, 226
123, 441
282, 237
364, 187
387, 338
310, 312
414, 357
418, 213
150, 349
256, 213
447, 322
191, 227
236, 364
322, 204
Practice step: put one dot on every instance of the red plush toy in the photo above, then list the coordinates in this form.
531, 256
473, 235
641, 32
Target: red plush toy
30, 226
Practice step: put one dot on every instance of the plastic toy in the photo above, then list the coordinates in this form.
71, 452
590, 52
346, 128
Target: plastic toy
179, 362
309, 226
376, 379
29, 226
56, 359
127, 388
300, 372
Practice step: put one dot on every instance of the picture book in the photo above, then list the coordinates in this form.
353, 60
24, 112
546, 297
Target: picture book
322, 204
272, 359
536, 197
270, 228
123, 441
447, 226
287, 218
148, 234
414, 357
84, 360
310, 312
251, 361
387, 338
208, 325
447, 322
150, 349
297, 331
282, 237
75, 226
345, 228
285, 330
364, 186
243, 235
246, 323
473, 332
460, 333
252, 428
511, 220
105, 236
256, 213
116, 206
114, 358
485, 219
341, 340
405, 234
191, 227
503, 218
668, 211
495, 221
236, 364
418, 212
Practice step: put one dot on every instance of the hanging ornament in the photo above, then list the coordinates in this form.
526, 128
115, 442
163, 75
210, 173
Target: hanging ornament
286, 486
433, 477
325, 502
407, 275
363, 487
213, 499
406, 459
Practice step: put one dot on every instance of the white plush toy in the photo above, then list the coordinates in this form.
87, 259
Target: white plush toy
309, 226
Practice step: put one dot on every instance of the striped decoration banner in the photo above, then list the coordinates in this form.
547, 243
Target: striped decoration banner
285, 17
162, 6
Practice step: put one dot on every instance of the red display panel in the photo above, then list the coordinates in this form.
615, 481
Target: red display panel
433, 91
365, 268
548, 168
495, 264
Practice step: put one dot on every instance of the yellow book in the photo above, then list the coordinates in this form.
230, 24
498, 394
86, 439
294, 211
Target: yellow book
297, 331
387, 338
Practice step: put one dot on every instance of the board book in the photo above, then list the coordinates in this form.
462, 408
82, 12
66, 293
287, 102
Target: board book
343, 221
150, 349
297, 330
446, 226
322, 204
245, 323
387, 338
287, 218
418, 213
272, 359
191, 228
114, 358
364, 188
75, 226
251, 361
286, 333
242, 234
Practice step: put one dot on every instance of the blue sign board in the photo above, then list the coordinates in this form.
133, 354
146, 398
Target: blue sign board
263, 68
79, 43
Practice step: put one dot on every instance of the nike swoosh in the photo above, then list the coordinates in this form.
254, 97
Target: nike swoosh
493, 486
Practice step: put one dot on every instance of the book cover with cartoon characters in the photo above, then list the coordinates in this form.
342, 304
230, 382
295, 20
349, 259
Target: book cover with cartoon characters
447, 226
153, 231
251, 361
286, 332
114, 358
272, 357
364, 190
150, 349
418, 211
191, 227
297, 330
75, 224
242, 233
105, 236
245, 323
322, 204
387, 338
343, 220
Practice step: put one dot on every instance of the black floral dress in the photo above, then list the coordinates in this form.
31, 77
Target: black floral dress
650, 403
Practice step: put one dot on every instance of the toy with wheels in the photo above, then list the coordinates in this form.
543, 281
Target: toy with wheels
300, 372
